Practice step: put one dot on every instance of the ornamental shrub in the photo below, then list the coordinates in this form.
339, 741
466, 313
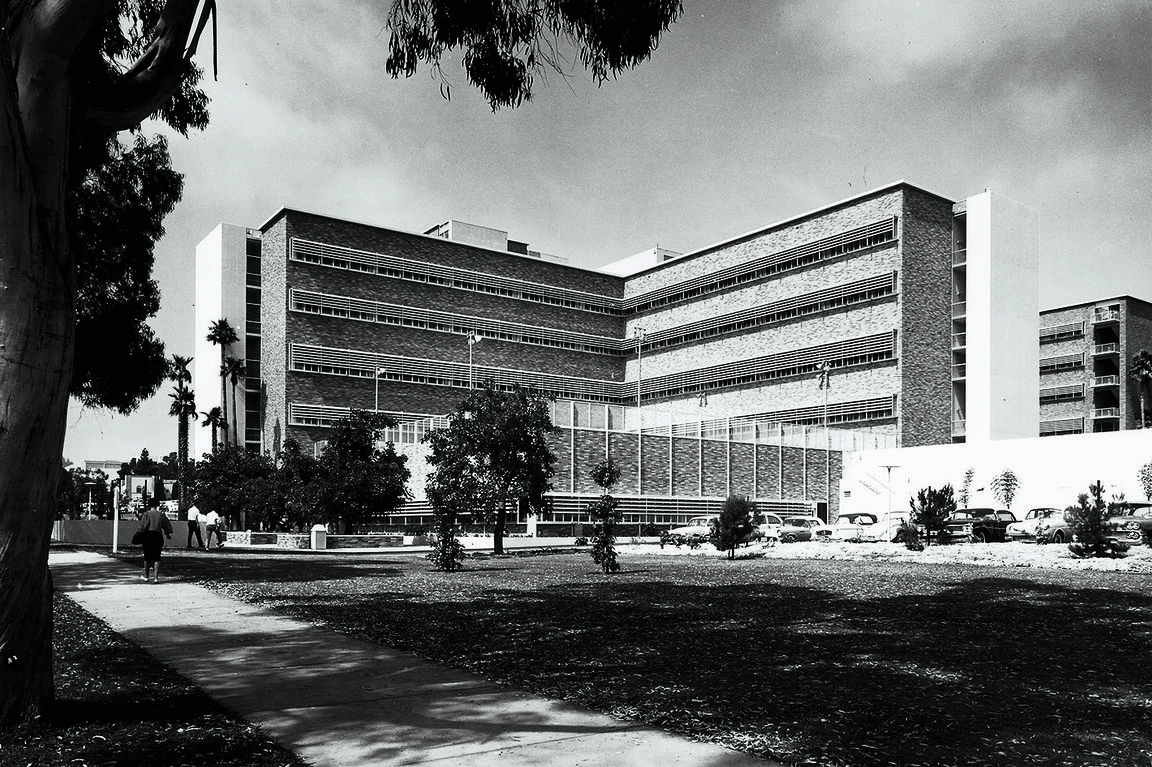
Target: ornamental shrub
1089, 537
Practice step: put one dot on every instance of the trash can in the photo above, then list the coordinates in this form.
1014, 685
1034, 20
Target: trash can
319, 537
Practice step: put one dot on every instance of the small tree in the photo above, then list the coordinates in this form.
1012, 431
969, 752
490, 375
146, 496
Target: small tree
495, 449
1089, 538
931, 508
735, 524
605, 514
1004, 487
358, 479
1140, 371
1145, 475
966, 488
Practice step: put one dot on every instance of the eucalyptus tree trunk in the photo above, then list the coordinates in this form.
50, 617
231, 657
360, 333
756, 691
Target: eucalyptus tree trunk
38, 293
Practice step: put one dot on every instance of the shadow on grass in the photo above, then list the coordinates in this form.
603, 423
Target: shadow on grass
927, 667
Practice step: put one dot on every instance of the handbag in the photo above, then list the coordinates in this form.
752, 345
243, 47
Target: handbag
138, 538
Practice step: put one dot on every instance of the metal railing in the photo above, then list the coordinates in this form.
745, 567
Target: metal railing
1106, 381
1105, 315
1106, 412
1106, 348
959, 371
959, 340
960, 309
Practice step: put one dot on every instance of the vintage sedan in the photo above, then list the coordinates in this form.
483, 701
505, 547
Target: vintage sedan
769, 528
698, 530
982, 525
859, 526
1132, 528
804, 529
1025, 529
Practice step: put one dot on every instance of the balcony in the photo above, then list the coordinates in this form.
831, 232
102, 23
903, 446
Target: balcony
958, 429
1106, 349
1106, 412
959, 309
1106, 381
959, 257
959, 372
959, 340
1105, 315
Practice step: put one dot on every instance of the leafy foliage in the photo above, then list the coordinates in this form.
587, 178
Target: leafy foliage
358, 480
965, 494
931, 508
734, 525
1140, 371
494, 453
75, 488
234, 482
507, 43
909, 533
1088, 532
1145, 475
1004, 487
605, 514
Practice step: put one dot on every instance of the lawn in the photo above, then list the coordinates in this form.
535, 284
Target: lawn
805, 661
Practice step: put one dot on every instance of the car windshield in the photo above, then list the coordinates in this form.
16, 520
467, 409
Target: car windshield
862, 519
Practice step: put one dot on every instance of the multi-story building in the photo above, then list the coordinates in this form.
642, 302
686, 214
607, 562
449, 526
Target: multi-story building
1086, 350
844, 317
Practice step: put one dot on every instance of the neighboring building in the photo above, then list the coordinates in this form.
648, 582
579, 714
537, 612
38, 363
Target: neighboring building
1085, 354
228, 287
892, 292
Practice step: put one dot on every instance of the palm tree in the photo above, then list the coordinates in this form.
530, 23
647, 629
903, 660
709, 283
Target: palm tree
234, 371
214, 418
182, 408
1140, 371
222, 334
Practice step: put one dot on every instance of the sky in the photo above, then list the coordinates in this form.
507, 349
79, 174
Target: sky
748, 113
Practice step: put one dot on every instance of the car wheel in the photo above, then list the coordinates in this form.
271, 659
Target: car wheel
980, 537
788, 538
1058, 537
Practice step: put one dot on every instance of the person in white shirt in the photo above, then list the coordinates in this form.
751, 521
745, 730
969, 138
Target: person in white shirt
212, 523
194, 527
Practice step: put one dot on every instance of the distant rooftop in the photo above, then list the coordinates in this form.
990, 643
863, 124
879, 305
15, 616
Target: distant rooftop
486, 237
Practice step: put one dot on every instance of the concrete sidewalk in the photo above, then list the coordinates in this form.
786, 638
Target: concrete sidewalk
343, 702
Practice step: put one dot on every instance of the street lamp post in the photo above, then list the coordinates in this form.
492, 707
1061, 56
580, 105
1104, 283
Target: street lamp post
638, 334
473, 339
379, 372
826, 384
89, 485
890, 467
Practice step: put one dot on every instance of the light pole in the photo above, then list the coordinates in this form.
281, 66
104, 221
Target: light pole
638, 334
379, 372
89, 485
473, 339
826, 384
890, 467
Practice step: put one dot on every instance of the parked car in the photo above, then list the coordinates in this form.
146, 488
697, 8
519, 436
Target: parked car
698, 530
769, 529
1025, 529
859, 526
1131, 527
980, 525
804, 529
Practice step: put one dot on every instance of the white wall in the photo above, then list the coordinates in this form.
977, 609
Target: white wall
1053, 471
1003, 358
220, 292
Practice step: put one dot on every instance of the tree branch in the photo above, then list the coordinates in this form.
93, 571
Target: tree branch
152, 79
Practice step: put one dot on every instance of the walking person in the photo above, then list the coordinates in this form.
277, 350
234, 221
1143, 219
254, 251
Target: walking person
212, 523
194, 527
153, 529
